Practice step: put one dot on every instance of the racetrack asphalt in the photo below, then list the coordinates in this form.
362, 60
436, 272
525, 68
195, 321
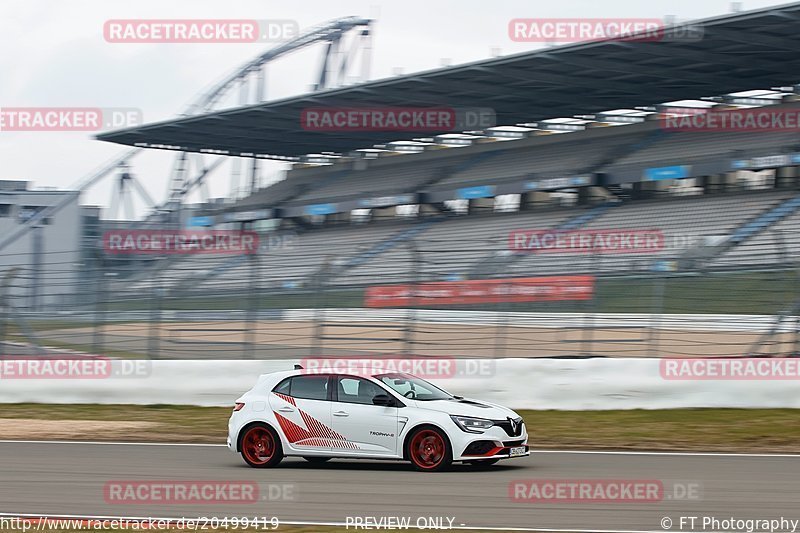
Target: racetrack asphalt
56, 478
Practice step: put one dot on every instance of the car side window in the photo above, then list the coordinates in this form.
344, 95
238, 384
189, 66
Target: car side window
309, 387
357, 390
401, 386
284, 387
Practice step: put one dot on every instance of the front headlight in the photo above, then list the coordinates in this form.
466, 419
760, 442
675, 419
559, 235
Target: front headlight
472, 425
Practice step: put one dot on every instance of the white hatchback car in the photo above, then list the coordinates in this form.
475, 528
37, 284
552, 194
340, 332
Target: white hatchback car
383, 416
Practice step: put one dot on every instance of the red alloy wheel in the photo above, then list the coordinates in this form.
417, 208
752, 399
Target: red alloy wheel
258, 445
427, 449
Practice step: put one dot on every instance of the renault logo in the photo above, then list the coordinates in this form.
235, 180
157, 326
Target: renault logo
514, 425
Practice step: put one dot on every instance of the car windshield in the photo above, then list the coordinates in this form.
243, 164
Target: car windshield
413, 387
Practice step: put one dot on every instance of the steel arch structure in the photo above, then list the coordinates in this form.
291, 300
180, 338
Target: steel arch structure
333, 70
251, 80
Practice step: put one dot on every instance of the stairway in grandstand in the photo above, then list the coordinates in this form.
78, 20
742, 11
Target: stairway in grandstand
394, 241
648, 141
763, 221
732, 248
388, 244
499, 262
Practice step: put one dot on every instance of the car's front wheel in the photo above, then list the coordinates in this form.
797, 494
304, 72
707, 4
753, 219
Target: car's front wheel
429, 449
261, 446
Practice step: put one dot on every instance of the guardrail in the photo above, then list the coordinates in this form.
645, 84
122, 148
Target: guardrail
581, 384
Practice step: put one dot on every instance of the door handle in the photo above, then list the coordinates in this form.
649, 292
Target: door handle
340, 413
286, 410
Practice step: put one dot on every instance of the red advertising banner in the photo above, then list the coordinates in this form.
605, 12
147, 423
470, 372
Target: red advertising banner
604, 241
540, 289
232, 242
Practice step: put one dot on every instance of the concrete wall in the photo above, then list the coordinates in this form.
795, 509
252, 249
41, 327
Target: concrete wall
583, 384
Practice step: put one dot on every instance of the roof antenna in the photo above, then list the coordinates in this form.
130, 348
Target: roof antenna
298, 367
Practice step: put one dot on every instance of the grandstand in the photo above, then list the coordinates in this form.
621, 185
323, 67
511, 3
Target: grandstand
453, 247
355, 253
535, 170
579, 146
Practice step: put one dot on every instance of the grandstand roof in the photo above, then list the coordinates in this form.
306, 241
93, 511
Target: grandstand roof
738, 52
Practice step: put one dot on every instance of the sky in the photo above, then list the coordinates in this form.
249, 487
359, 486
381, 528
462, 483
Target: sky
55, 55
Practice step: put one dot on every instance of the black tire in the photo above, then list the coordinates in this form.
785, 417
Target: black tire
483, 463
260, 446
317, 460
428, 449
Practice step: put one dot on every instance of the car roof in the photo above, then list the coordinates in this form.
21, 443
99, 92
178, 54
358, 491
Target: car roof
275, 377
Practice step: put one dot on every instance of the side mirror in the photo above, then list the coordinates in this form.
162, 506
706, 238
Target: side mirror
383, 399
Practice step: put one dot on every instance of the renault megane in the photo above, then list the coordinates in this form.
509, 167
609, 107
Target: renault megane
383, 416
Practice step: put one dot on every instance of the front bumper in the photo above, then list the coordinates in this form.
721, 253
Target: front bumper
497, 453
495, 443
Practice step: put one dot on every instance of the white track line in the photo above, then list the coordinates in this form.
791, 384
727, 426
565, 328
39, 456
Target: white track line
574, 452
102, 443
305, 523
687, 454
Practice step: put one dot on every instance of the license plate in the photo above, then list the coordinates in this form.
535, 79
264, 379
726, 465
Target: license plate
517, 452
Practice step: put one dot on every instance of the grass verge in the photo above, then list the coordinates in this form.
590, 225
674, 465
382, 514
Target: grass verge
730, 430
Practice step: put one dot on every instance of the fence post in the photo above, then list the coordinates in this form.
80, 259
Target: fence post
99, 284
780, 247
5, 304
253, 302
791, 275
796, 298
154, 340
589, 312
319, 312
656, 312
411, 314
501, 328
3, 321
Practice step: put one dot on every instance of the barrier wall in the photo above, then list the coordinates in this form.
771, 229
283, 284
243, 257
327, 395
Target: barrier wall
580, 384
685, 322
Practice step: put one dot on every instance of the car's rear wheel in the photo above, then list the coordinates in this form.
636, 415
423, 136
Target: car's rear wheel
483, 463
429, 450
317, 460
261, 446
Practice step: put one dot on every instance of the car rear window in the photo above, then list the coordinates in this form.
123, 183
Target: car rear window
304, 387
